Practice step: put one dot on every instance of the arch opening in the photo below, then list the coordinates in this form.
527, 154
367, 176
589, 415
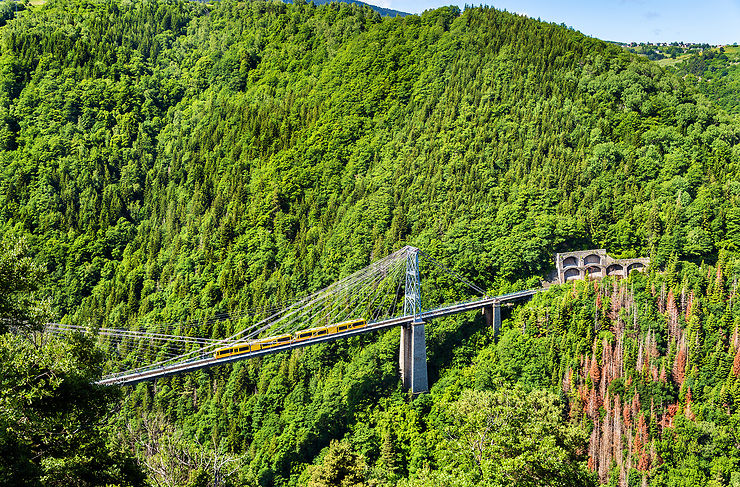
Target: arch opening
594, 271
571, 274
614, 270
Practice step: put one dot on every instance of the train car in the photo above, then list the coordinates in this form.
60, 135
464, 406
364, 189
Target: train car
254, 346
329, 329
351, 325
233, 350
315, 332
271, 342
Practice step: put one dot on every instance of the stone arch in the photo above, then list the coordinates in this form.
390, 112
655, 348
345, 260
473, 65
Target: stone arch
570, 261
594, 271
571, 274
614, 270
637, 266
592, 259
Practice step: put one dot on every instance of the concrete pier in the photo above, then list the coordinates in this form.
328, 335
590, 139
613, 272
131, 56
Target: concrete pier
492, 315
413, 358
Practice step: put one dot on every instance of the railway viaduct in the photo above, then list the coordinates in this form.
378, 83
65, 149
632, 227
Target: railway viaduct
595, 264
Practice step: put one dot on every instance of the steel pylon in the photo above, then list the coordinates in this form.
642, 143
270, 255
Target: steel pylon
412, 298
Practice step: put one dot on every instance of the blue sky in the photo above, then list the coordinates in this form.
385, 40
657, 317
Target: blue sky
711, 21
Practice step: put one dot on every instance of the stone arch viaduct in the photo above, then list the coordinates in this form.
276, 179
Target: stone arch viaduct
595, 264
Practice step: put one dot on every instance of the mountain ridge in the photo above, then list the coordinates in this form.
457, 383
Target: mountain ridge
386, 12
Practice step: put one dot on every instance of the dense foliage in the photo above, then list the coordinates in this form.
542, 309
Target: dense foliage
20, 306
388, 12
170, 161
52, 416
652, 364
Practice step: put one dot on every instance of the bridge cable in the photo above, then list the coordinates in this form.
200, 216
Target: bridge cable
301, 307
432, 260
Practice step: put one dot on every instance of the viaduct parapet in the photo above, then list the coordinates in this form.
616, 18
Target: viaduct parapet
596, 264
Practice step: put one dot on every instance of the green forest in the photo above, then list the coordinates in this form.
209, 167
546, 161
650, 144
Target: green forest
715, 73
164, 163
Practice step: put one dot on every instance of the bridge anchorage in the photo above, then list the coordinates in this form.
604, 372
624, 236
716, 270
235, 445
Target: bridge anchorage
365, 301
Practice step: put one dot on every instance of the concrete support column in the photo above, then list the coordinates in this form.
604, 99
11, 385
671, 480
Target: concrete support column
488, 315
413, 358
419, 381
492, 315
404, 356
496, 318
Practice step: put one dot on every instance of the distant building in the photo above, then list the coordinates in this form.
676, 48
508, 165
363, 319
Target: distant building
596, 264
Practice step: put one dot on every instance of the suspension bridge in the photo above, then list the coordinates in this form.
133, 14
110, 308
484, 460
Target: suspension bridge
385, 294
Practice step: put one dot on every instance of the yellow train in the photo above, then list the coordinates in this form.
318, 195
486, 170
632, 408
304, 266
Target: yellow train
276, 341
329, 329
254, 346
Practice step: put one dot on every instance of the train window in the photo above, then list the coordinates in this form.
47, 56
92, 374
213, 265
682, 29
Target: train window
341, 328
284, 339
321, 332
243, 349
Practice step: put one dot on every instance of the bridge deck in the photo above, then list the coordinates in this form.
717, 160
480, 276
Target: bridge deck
201, 361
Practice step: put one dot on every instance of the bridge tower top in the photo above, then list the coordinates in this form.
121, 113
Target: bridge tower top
412, 298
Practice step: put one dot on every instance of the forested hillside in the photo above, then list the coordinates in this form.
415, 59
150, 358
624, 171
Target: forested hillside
168, 162
387, 12
716, 73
